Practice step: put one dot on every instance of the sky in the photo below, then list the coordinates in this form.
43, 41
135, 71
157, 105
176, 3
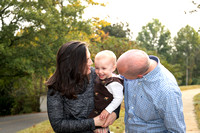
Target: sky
171, 13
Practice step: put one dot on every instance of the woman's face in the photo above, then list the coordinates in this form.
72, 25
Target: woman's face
89, 62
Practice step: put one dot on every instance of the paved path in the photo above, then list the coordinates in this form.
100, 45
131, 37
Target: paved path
12, 124
188, 108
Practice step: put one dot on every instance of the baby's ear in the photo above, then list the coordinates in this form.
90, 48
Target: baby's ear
114, 67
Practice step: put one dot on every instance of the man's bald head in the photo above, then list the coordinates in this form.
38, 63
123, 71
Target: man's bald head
133, 63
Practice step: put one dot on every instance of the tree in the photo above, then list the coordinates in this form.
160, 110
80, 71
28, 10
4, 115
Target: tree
155, 37
31, 31
102, 40
187, 51
197, 6
118, 30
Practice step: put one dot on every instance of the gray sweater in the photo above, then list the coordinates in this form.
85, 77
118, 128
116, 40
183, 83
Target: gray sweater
67, 115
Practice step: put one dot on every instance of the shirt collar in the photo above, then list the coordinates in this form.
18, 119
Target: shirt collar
155, 70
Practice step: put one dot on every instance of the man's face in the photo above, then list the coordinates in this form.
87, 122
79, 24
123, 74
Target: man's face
122, 70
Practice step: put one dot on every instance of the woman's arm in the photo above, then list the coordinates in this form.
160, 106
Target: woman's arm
60, 121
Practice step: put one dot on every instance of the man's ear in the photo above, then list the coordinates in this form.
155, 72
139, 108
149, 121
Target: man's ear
140, 76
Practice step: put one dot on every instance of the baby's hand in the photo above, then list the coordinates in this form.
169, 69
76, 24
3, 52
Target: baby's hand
104, 114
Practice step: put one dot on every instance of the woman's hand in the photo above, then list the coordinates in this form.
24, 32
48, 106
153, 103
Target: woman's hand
98, 121
111, 118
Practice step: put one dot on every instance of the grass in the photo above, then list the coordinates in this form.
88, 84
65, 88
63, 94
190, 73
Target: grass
45, 127
196, 100
189, 87
118, 126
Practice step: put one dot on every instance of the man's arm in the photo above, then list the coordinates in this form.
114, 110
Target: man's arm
172, 112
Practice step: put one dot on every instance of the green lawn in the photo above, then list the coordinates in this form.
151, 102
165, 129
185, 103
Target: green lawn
118, 126
183, 88
45, 127
197, 108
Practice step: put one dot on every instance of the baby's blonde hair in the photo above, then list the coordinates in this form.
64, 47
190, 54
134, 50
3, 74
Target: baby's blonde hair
107, 54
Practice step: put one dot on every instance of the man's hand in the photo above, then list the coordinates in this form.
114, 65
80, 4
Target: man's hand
111, 118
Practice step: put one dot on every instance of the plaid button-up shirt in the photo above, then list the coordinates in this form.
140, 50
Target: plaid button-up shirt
153, 104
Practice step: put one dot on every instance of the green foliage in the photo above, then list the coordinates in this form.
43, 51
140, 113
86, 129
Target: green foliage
31, 33
174, 69
155, 37
183, 54
6, 100
117, 45
27, 94
187, 51
101, 39
119, 30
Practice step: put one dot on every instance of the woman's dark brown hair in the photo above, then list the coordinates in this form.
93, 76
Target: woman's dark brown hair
70, 77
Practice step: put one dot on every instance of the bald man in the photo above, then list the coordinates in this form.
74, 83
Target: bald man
153, 102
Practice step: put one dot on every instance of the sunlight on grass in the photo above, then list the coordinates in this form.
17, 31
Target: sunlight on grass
196, 100
189, 87
118, 126
43, 127
197, 108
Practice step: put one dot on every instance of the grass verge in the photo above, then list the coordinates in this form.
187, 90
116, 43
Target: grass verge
43, 127
118, 126
197, 108
189, 87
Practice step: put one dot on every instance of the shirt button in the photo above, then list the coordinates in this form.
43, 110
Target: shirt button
129, 119
132, 107
139, 83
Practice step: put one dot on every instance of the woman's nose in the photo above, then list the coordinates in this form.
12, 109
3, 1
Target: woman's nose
91, 62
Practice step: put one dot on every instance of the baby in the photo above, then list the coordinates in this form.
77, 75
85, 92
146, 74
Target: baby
108, 88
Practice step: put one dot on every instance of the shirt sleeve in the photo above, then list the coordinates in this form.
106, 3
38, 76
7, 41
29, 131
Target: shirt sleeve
121, 76
61, 123
116, 89
172, 112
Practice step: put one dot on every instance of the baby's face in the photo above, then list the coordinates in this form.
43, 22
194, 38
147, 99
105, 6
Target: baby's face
104, 67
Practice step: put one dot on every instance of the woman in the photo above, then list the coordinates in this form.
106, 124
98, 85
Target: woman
70, 97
